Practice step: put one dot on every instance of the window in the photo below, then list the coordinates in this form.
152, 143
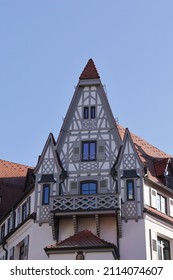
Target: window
86, 113
80, 256
21, 252
89, 150
2, 232
130, 190
163, 248
9, 222
161, 203
24, 211
46, 194
92, 112
89, 112
89, 187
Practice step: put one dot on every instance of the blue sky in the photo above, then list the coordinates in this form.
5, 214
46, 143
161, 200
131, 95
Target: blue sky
44, 46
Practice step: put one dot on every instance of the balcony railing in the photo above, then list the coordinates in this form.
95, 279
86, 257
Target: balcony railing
84, 202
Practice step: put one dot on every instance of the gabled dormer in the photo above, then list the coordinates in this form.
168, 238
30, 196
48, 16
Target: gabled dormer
47, 174
130, 171
164, 170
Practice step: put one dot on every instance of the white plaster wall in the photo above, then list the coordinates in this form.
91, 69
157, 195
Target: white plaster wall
108, 229
66, 229
88, 256
40, 237
18, 237
68, 256
99, 256
87, 224
132, 244
162, 229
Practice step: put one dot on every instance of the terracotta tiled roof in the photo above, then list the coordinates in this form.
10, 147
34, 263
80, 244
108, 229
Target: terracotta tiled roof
12, 184
90, 71
154, 159
11, 170
160, 166
84, 239
142, 146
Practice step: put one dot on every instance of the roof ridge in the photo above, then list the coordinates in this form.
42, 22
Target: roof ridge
90, 71
16, 163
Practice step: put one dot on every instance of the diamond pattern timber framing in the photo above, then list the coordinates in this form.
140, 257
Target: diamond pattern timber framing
44, 213
129, 162
48, 165
94, 202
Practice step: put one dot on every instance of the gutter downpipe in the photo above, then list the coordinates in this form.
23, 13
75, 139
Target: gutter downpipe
6, 251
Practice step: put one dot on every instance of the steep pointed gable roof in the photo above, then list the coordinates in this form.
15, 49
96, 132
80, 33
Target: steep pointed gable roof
51, 141
90, 71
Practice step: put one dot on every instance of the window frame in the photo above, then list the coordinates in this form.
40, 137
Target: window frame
46, 196
163, 251
89, 191
93, 112
128, 190
21, 251
161, 203
88, 156
24, 211
2, 231
89, 112
86, 112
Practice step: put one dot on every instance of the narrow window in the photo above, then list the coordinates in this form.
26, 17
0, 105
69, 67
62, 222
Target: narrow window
92, 112
130, 190
86, 113
163, 247
89, 151
89, 187
21, 252
9, 225
161, 203
46, 194
24, 211
2, 232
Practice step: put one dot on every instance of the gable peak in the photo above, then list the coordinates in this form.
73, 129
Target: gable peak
90, 71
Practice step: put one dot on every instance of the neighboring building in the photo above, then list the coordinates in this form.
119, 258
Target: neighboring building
98, 192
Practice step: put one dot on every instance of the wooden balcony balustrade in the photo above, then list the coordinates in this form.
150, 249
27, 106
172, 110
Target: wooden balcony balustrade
90, 202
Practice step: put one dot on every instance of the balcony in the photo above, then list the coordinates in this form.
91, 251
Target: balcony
84, 203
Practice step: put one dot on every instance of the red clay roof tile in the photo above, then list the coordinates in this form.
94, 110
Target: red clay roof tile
83, 238
12, 182
90, 71
154, 159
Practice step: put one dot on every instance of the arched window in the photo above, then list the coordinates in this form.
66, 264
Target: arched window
80, 256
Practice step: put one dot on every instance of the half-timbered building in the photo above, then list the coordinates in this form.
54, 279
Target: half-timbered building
97, 192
